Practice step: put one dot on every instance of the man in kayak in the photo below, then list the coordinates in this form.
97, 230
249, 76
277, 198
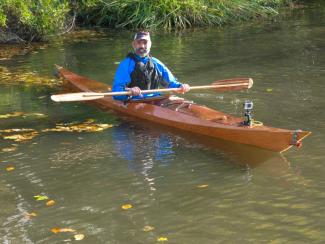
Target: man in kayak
139, 71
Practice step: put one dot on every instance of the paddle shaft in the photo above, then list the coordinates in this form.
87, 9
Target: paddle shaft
221, 85
161, 90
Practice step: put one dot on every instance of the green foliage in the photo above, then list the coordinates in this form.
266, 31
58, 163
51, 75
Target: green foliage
170, 14
37, 19
33, 19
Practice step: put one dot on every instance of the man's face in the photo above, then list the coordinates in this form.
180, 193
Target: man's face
141, 47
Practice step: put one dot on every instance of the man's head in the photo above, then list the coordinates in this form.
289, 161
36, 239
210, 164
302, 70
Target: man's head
142, 43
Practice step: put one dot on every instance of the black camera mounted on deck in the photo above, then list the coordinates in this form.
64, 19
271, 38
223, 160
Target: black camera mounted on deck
248, 107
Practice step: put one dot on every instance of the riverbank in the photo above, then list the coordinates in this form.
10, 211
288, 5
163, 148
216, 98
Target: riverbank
21, 22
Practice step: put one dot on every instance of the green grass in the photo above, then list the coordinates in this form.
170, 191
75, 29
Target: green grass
38, 19
175, 14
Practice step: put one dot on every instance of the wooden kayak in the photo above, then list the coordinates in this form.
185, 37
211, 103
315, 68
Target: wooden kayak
190, 117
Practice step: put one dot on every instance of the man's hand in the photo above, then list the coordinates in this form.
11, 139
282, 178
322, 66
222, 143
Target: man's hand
135, 91
185, 88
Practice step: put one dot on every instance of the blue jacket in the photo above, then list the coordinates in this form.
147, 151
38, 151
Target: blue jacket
123, 77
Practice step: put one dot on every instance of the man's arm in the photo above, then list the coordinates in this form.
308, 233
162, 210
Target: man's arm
122, 78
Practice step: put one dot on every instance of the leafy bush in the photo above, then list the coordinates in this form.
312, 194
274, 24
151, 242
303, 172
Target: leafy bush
33, 19
170, 14
38, 19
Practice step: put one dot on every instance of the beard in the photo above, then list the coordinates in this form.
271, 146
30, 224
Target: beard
142, 52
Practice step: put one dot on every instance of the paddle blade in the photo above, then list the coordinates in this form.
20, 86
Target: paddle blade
72, 97
234, 84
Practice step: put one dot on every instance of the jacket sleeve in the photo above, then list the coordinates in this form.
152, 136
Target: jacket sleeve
166, 74
122, 78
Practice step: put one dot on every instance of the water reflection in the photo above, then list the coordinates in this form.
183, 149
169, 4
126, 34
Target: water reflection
153, 146
142, 150
143, 145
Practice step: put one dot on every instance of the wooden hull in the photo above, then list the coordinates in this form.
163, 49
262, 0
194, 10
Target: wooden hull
192, 118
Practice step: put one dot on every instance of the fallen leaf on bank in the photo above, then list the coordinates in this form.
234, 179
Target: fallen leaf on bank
202, 186
62, 230
50, 203
10, 168
126, 206
148, 228
41, 197
162, 238
79, 237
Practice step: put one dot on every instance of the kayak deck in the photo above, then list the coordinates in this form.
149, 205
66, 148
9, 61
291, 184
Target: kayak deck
188, 116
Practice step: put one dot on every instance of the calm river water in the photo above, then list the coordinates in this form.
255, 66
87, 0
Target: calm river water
138, 183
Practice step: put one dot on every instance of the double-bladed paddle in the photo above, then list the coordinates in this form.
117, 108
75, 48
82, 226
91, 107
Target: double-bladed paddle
220, 85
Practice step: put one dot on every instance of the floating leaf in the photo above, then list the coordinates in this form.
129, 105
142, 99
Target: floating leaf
50, 203
87, 126
41, 197
8, 149
269, 89
30, 215
126, 206
16, 130
21, 137
10, 168
148, 228
36, 114
79, 237
27, 78
11, 115
202, 186
61, 230
162, 238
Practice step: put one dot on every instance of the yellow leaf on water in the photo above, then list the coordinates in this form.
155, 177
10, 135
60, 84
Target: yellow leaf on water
202, 186
21, 137
87, 126
31, 215
269, 89
8, 149
50, 203
162, 238
61, 230
16, 130
41, 197
126, 206
14, 114
79, 237
37, 114
10, 168
148, 228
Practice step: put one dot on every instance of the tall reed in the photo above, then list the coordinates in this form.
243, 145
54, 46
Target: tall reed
178, 14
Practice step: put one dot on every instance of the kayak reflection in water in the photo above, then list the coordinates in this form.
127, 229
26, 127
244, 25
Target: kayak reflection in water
139, 71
